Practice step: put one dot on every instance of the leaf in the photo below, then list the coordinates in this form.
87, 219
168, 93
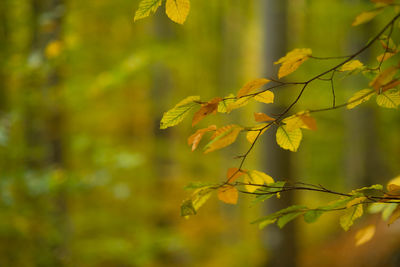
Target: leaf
146, 8
228, 194
366, 16
288, 140
383, 78
266, 97
350, 216
390, 85
265, 223
271, 218
223, 137
282, 221
355, 201
210, 107
385, 56
251, 86
292, 61
198, 198
266, 192
195, 138
352, 65
222, 106
388, 210
359, 98
300, 120
256, 177
175, 115
253, 133
389, 99
395, 215
312, 215
177, 10
365, 234
196, 185
261, 117
394, 184
233, 174
241, 102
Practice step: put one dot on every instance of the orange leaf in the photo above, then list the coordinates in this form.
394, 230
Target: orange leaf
309, 121
228, 194
206, 109
232, 174
251, 86
261, 117
195, 138
223, 137
383, 78
390, 85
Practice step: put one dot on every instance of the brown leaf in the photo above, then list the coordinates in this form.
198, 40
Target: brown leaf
206, 109
228, 194
390, 85
261, 117
251, 86
195, 138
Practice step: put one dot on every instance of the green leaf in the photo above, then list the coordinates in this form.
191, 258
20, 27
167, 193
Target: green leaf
196, 185
282, 216
351, 214
187, 208
313, 215
198, 198
282, 221
146, 8
175, 115
288, 140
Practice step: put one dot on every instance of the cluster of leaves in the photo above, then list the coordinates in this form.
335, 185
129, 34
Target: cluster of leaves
383, 85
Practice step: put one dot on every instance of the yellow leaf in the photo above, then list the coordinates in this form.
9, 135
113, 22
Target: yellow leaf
352, 65
175, 115
395, 215
252, 135
383, 78
195, 138
238, 103
288, 140
222, 106
300, 120
365, 234
266, 97
146, 7
389, 99
394, 184
385, 56
292, 61
359, 98
228, 194
206, 109
251, 86
261, 117
223, 137
350, 216
198, 198
177, 10
366, 16
355, 201
256, 177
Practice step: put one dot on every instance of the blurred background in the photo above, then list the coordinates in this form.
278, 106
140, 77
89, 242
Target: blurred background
88, 179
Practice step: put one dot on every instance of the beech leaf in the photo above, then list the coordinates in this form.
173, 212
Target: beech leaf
352, 65
266, 97
252, 135
146, 8
251, 86
175, 115
350, 216
292, 61
366, 16
223, 137
365, 234
195, 138
177, 10
359, 98
261, 117
228, 194
210, 107
389, 99
289, 140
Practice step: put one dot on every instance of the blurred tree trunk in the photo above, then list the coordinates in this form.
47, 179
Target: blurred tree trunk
281, 244
45, 115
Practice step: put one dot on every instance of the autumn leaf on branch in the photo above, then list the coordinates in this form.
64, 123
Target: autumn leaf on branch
146, 8
175, 115
195, 138
223, 137
210, 107
292, 61
177, 10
